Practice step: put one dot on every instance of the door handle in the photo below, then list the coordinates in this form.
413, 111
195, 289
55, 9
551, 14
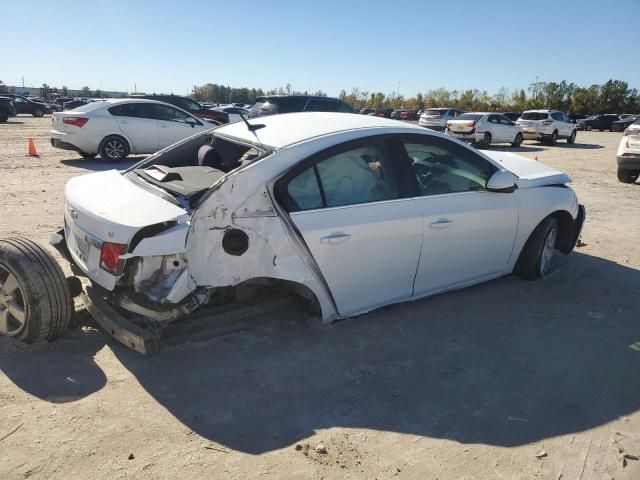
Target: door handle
335, 238
441, 223
163, 126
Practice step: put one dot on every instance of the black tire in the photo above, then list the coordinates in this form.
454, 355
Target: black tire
41, 291
530, 263
113, 149
628, 176
588, 128
572, 138
518, 140
38, 112
553, 139
486, 140
4, 116
88, 156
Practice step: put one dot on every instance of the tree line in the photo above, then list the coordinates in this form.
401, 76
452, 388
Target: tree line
614, 96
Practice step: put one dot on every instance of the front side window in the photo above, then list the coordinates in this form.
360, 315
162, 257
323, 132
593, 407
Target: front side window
442, 166
169, 114
362, 173
503, 120
136, 110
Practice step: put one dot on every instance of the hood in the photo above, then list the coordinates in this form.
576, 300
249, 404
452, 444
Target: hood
530, 173
112, 208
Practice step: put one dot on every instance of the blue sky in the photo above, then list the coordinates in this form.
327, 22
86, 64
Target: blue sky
170, 46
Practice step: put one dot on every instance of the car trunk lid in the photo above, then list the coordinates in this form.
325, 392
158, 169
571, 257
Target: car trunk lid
107, 207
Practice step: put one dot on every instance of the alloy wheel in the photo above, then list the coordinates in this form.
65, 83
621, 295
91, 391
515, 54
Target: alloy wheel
12, 309
114, 149
547, 251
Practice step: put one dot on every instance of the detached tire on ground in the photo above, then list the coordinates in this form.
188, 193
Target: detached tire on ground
35, 303
535, 260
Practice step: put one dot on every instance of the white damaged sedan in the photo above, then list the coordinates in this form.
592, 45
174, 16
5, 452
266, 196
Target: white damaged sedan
352, 211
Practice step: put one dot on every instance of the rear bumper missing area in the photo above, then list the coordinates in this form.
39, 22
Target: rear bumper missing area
142, 340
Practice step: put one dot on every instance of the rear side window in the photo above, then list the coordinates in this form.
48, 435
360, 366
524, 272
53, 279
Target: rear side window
534, 116
362, 173
168, 114
557, 116
137, 110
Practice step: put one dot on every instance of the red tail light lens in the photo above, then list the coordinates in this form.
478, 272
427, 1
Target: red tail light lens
110, 257
631, 131
75, 121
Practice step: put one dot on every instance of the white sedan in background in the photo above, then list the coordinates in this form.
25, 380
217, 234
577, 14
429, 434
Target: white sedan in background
116, 128
483, 128
353, 212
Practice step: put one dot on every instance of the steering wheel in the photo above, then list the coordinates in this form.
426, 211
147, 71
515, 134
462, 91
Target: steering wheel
426, 175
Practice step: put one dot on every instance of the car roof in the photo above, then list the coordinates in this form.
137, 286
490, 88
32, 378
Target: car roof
286, 129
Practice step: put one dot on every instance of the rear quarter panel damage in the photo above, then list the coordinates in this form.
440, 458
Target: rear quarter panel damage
244, 202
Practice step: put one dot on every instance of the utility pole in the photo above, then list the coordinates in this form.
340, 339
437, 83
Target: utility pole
23, 81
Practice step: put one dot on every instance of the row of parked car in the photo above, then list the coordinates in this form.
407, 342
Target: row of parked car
612, 122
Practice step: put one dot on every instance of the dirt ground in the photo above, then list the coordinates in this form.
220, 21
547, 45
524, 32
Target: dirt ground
506, 380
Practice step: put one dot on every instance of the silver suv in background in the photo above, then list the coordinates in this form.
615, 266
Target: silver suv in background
437, 118
547, 126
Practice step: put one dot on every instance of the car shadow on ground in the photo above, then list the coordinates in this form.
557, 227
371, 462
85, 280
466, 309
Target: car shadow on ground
11, 122
520, 149
98, 165
505, 363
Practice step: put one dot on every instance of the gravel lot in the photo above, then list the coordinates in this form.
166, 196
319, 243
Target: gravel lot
509, 379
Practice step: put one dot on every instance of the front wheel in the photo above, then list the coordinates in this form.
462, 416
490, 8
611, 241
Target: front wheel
4, 117
35, 302
486, 141
572, 138
588, 128
536, 258
38, 112
517, 141
113, 149
627, 176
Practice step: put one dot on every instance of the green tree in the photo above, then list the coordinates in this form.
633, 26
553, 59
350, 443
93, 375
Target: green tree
85, 92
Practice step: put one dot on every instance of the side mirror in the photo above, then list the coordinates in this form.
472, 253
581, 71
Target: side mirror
502, 181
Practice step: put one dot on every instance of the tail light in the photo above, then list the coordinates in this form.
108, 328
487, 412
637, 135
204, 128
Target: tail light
75, 121
110, 258
631, 131
546, 123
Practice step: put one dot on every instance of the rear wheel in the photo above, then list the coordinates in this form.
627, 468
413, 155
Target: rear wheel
35, 303
113, 149
536, 258
38, 112
486, 140
628, 176
572, 138
588, 128
517, 141
4, 116
553, 139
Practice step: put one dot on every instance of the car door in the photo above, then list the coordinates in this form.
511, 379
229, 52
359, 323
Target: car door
509, 130
137, 123
174, 124
348, 205
497, 135
469, 232
22, 105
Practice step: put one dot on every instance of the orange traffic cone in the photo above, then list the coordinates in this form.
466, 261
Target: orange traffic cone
32, 148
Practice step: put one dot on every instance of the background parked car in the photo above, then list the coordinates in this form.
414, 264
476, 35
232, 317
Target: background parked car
26, 106
191, 106
274, 104
71, 104
599, 122
7, 109
367, 111
234, 113
116, 128
513, 116
482, 129
547, 126
404, 114
383, 112
623, 123
628, 155
437, 118
576, 118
